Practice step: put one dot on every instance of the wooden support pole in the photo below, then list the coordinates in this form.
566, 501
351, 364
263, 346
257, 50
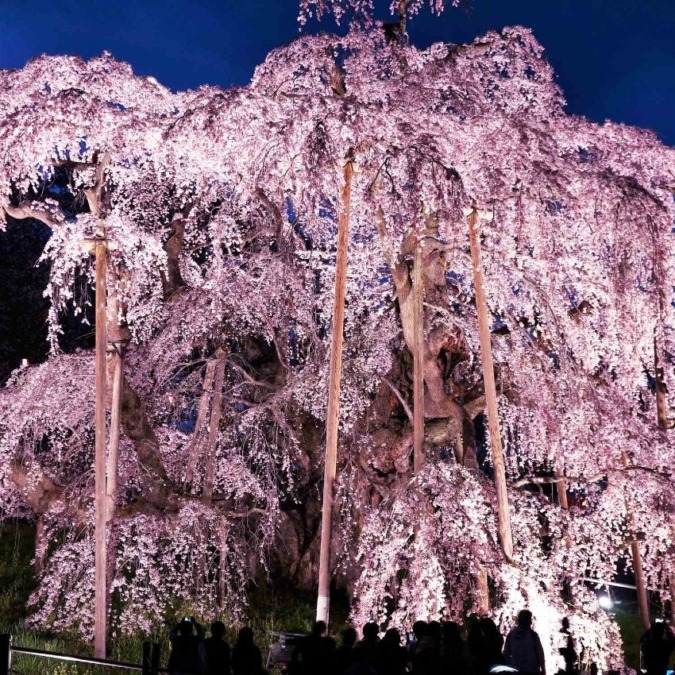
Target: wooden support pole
418, 359
640, 585
561, 488
114, 440
505, 535
214, 425
100, 591
333, 412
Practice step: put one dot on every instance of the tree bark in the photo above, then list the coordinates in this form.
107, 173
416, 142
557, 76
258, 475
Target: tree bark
661, 404
484, 593
418, 359
214, 424
505, 535
195, 443
333, 412
100, 593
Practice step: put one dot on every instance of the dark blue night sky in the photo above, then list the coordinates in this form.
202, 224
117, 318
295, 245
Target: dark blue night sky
614, 58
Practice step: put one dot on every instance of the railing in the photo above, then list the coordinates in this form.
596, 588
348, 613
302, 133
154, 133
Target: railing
149, 665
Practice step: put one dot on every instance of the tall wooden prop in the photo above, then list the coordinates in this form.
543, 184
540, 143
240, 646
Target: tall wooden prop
640, 584
333, 412
418, 359
115, 422
663, 424
100, 594
505, 536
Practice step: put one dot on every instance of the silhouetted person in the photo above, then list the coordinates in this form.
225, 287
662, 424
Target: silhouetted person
184, 657
656, 646
214, 652
363, 663
246, 657
453, 657
485, 644
344, 656
315, 653
370, 643
426, 656
523, 649
566, 649
393, 657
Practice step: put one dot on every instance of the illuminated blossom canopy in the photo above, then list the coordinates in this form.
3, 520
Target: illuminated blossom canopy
221, 211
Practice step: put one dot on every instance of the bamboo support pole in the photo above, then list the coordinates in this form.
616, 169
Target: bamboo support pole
505, 535
333, 412
100, 592
418, 359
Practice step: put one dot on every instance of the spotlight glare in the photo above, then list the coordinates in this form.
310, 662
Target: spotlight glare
605, 602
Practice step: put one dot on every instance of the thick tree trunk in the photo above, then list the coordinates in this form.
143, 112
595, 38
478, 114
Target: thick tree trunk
100, 592
196, 442
505, 535
418, 359
333, 412
214, 425
661, 403
484, 593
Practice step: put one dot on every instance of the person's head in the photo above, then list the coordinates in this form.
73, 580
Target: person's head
185, 627
245, 637
488, 626
218, 629
452, 635
435, 631
319, 628
370, 631
525, 618
419, 629
349, 636
392, 638
658, 629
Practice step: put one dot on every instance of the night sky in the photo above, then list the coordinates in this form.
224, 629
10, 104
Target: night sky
615, 59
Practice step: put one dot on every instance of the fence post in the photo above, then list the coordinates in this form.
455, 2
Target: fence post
5, 653
147, 658
154, 666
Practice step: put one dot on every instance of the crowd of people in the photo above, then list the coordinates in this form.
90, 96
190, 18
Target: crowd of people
432, 648
193, 654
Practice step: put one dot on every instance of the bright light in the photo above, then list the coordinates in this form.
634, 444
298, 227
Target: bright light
605, 602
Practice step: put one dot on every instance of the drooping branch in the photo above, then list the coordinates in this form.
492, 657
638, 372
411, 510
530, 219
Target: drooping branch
26, 210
